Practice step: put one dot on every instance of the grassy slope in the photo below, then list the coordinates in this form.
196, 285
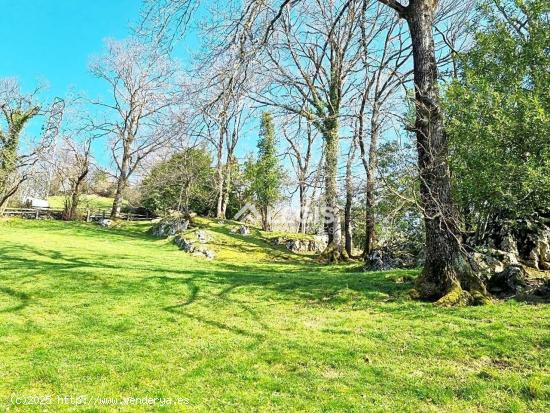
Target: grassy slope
113, 313
256, 248
86, 201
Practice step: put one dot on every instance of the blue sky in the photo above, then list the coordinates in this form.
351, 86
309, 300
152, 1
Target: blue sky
54, 39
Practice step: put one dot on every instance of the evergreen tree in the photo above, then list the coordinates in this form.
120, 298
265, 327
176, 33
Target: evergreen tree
266, 173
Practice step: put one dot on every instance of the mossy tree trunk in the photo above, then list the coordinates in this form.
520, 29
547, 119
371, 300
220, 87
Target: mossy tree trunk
8, 157
348, 231
370, 211
16, 119
331, 132
219, 173
226, 189
122, 179
302, 225
331, 186
448, 277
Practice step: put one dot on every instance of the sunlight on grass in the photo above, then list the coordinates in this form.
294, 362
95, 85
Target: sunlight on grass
86, 202
115, 313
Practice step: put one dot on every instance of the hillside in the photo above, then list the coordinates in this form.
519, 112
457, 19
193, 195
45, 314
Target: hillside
258, 247
93, 202
112, 313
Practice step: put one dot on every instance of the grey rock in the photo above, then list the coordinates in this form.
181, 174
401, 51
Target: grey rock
392, 256
525, 241
242, 230
184, 244
540, 253
202, 237
209, 254
169, 226
509, 244
375, 262
488, 263
543, 289
105, 223
301, 245
513, 280
203, 252
187, 246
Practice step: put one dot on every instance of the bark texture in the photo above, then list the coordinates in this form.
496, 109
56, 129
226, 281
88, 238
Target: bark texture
122, 179
71, 209
334, 251
348, 230
447, 276
370, 230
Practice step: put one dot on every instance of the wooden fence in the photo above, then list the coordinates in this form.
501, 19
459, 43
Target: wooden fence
84, 214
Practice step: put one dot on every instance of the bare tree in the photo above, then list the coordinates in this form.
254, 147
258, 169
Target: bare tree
221, 123
312, 59
164, 21
141, 105
386, 52
447, 276
348, 224
221, 105
18, 158
72, 171
300, 152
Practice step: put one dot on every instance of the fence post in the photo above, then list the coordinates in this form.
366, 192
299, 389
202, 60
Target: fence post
36, 214
88, 215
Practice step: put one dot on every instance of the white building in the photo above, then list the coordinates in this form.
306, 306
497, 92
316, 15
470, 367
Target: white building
35, 202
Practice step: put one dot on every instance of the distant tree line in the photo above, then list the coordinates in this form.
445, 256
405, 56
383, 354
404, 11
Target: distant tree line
412, 126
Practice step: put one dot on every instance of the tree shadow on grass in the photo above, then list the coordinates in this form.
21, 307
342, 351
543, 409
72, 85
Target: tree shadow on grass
18, 295
250, 243
89, 229
313, 282
294, 280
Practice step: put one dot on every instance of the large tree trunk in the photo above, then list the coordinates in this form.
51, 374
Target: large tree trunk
16, 120
303, 212
264, 212
121, 185
8, 160
334, 250
227, 186
117, 201
219, 178
70, 212
370, 221
7, 194
348, 236
219, 205
447, 275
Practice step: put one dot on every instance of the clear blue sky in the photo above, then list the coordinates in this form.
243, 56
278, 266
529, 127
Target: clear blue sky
54, 39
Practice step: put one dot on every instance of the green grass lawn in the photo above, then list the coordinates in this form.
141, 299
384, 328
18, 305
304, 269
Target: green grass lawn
93, 202
114, 313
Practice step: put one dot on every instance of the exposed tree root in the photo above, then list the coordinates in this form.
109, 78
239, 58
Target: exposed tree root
454, 285
333, 254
